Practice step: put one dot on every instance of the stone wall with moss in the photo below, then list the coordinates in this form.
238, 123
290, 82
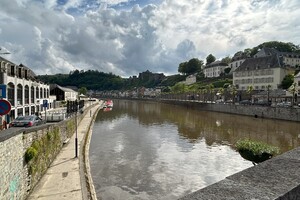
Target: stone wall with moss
25, 155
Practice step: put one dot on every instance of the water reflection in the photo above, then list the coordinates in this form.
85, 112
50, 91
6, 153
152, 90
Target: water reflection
155, 151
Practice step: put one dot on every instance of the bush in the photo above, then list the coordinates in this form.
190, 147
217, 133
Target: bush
30, 154
256, 151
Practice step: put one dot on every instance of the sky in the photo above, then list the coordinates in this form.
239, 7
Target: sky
127, 37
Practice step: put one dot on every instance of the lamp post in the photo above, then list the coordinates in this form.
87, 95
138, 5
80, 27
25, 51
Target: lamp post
76, 134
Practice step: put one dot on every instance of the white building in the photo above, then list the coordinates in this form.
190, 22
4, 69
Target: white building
190, 79
63, 93
25, 94
214, 69
237, 60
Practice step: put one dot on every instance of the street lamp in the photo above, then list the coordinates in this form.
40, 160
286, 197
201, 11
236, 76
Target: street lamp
76, 134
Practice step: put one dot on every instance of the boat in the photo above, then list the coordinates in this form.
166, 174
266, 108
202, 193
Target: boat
109, 103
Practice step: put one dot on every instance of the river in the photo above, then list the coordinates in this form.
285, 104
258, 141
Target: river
150, 151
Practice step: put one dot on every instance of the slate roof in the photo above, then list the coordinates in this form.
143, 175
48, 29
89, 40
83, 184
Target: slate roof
65, 89
273, 61
239, 56
3, 59
32, 74
215, 64
266, 52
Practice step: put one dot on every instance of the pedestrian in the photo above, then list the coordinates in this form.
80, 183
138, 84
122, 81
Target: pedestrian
4, 124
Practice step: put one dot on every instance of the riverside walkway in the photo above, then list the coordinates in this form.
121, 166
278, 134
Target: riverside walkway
63, 179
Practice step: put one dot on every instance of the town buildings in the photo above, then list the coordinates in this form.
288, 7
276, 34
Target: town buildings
63, 93
214, 69
297, 83
26, 94
265, 70
237, 60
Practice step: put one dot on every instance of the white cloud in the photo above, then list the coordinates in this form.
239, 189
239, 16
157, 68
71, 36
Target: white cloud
82, 34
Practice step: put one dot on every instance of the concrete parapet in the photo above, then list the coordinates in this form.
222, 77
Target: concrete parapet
277, 178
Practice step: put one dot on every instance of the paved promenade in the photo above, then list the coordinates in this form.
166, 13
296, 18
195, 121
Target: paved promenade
63, 179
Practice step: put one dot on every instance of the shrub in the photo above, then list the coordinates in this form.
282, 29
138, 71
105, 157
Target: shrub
256, 151
256, 147
30, 154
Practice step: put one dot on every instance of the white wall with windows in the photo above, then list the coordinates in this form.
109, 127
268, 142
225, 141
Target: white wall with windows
260, 79
25, 94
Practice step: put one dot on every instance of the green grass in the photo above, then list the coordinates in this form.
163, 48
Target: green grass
256, 151
256, 147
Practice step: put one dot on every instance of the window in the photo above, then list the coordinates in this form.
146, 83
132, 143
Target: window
26, 94
37, 93
20, 72
12, 70
41, 93
19, 95
32, 94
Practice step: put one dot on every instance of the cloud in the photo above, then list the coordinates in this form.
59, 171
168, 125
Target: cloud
126, 37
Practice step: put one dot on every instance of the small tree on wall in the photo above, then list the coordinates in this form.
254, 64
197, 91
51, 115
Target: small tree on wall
250, 89
292, 90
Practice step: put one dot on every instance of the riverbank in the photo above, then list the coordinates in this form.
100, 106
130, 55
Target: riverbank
268, 112
257, 111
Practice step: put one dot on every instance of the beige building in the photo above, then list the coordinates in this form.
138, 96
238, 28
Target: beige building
297, 83
260, 72
190, 79
288, 59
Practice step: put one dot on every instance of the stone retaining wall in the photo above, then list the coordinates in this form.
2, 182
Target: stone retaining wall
18, 176
290, 114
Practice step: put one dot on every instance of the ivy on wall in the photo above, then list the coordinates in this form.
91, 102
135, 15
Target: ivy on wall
41, 153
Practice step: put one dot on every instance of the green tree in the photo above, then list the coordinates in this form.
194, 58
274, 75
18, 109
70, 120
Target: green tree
182, 68
210, 89
227, 70
233, 92
227, 59
179, 88
287, 81
191, 67
250, 89
210, 58
292, 89
82, 90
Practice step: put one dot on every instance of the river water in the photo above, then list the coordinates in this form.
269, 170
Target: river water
151, 151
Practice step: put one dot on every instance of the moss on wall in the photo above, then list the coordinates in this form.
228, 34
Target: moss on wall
41, 153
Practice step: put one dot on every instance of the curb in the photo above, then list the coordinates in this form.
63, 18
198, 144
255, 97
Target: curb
88, 190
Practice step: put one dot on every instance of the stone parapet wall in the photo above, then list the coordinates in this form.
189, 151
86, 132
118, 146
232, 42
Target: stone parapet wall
18, 177
277, 178
290, 114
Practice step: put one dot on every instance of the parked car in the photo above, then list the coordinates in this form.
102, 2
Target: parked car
245, 102
220, 101
284, 104
262, 102
27, 121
